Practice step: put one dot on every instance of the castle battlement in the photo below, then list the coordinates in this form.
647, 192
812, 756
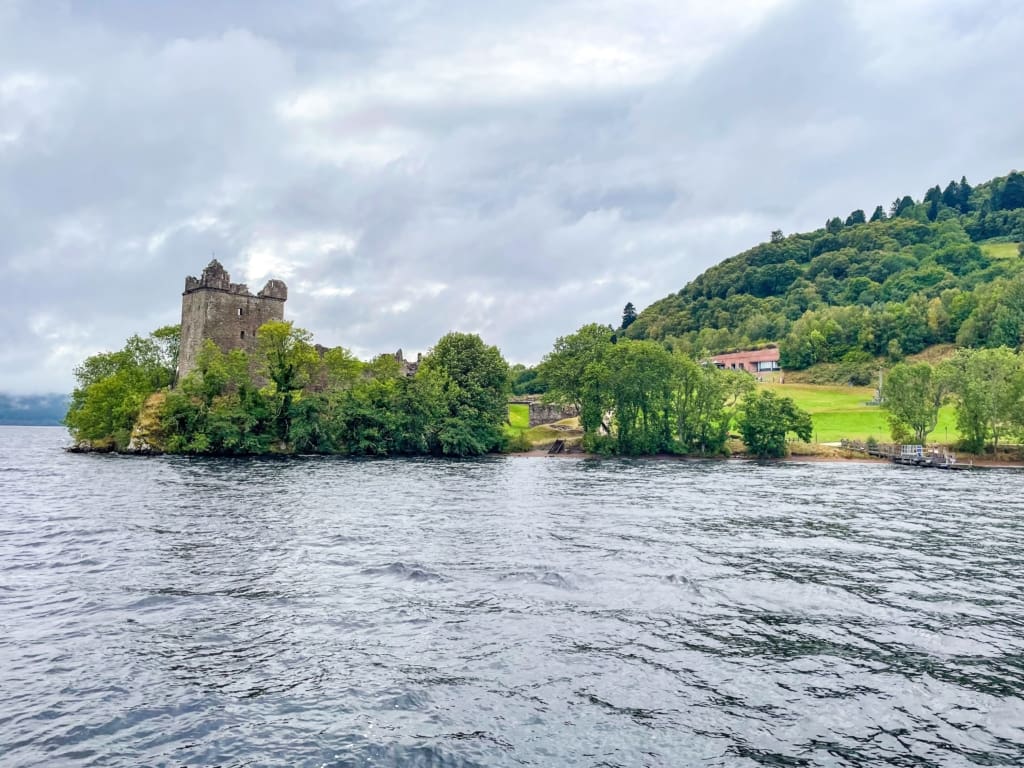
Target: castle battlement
216, 278
212, 307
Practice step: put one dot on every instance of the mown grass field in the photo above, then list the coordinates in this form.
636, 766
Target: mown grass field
837, 411
518, 418
842, 412
1000, 250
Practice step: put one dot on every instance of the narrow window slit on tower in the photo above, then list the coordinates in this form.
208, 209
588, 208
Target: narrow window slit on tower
243, 335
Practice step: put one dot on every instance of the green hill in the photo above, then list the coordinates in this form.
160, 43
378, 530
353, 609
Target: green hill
945, 269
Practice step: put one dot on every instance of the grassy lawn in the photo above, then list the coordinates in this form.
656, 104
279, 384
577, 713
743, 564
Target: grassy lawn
1000, 250
839, 412
518, 417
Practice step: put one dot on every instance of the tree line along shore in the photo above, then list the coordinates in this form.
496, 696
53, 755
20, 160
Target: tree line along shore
634, 398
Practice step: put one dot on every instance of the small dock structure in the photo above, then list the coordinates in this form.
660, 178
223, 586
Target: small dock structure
909, 455
936, 458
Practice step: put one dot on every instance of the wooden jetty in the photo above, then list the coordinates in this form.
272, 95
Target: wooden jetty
909, 455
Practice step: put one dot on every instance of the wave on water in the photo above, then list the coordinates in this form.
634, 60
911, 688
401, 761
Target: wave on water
503, 612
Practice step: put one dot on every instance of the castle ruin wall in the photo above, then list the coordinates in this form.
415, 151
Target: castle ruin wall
212, 307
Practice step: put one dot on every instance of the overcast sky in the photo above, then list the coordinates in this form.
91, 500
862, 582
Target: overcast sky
412, 167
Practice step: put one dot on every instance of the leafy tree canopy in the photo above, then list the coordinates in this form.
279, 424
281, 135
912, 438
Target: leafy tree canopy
765, 421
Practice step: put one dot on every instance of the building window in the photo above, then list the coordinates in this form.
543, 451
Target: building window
243, 333
239, 311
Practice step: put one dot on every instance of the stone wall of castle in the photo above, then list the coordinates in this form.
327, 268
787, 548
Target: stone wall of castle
546, 413
212, 307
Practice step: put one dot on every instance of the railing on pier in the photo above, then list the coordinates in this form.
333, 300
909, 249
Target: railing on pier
915, 455
878, 450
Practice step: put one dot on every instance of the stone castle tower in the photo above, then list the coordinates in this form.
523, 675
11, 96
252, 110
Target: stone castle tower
212, 307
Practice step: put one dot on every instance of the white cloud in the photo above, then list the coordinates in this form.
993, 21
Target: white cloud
328, 291
282, 257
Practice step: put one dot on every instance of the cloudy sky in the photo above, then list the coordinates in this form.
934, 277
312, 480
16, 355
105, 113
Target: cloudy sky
411, 167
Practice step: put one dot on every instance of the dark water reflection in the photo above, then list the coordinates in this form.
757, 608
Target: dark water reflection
505, 612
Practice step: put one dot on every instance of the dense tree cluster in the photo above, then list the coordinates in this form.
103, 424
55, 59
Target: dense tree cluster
766, 419
891, 285
112, 386
525, 380
287, 397
637, 397
985, 385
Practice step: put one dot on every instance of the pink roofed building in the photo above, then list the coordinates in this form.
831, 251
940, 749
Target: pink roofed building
762, 363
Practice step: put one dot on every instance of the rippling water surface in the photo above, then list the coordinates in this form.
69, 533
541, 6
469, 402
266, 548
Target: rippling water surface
505, 612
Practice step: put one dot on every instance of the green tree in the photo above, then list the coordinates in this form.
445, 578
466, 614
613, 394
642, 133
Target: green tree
168, 339
216, 373
564, 372
951, 195
641, 393
988, 386
913, 394
766, 419
285, 355
470, 379
964, 195
705, 403
112, 386
834, 225
367, 416
526, 380
878, 214
901, 206
628, 316
217, 409
857, 217
312, 424
341, 368
1011, 195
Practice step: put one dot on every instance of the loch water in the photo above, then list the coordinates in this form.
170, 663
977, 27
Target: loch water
505, 612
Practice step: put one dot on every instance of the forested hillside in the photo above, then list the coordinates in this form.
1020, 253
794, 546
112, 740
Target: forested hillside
947, 268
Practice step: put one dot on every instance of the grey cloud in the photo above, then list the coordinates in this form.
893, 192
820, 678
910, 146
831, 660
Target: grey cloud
420, 167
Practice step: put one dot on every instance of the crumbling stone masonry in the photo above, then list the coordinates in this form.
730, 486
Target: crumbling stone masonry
212, 307
545, 413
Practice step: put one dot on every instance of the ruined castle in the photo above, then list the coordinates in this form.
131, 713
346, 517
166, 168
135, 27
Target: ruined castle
212, 307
